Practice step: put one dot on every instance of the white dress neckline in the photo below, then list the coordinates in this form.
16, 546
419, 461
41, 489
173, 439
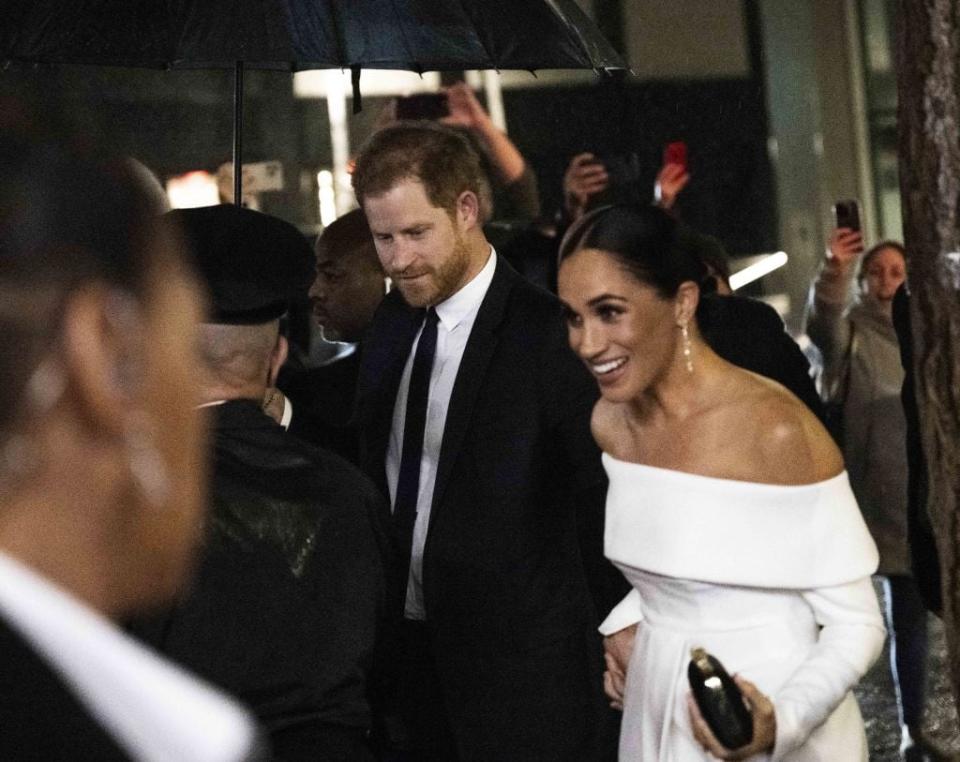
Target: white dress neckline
721, 480
725, 531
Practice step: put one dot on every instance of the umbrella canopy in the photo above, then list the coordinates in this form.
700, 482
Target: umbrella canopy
416, 35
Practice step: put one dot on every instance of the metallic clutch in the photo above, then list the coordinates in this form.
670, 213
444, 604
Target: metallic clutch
720, 700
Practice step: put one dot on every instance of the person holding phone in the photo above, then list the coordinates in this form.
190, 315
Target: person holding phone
588, 177
863, 375
514, 184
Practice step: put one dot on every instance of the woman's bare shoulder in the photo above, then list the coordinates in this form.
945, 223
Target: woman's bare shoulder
790, 445
608, 426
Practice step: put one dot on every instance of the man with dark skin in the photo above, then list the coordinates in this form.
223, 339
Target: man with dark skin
350, 283
347, 289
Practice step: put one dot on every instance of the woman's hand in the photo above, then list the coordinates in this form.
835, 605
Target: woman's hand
671, 179
764, 725
843, 248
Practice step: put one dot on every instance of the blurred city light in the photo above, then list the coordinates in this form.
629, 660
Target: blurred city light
193, 189
749, 274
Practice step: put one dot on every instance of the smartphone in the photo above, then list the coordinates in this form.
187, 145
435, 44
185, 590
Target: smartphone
622, 169
847, 214
676, 153
423, 106
260, 176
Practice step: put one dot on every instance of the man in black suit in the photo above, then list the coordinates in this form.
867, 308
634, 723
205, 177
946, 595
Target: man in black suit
348, 287
475, 419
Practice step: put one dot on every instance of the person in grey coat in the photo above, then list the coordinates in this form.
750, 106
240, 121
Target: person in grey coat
853, 328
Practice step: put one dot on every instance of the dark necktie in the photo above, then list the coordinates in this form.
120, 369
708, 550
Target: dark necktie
408, 482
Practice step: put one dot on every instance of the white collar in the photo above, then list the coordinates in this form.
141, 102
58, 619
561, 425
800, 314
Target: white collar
152, 708
466, 301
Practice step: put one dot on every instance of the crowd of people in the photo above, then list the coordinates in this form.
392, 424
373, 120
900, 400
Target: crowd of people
493, 531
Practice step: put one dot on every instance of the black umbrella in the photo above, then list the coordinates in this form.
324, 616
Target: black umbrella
414, 35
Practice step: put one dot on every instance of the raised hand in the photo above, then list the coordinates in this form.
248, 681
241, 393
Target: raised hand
585, 178
465, 110
671, 179
843, 248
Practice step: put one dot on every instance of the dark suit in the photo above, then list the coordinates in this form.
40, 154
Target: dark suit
514, 579
40, 718
284, 607
323, 400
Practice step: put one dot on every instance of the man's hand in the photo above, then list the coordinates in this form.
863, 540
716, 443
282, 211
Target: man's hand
764, 725
671, 179
844, 246
272, 403
617, 649
585, 178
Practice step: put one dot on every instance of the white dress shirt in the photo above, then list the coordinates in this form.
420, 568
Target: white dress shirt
456, 317
150, 707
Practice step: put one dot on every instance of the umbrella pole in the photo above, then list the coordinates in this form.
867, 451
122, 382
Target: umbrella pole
238, 134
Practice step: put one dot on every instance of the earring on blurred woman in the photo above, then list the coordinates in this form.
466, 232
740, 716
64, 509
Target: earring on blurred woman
687, 353
146, 465
19, 455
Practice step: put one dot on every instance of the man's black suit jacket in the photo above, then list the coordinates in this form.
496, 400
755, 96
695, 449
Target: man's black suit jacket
514, 577
40, 718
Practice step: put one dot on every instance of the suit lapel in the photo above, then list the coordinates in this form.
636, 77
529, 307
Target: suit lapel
476, 357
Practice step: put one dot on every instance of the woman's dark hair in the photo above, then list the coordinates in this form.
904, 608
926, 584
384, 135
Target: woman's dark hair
644, 239
876, 249
66, 218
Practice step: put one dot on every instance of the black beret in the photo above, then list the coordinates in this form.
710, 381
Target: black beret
253, 264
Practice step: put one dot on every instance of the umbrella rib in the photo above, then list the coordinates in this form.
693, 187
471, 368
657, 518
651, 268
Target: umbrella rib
338, 36
483, 43
408, 55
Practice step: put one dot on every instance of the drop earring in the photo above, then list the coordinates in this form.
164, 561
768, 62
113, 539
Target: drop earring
687, 349
146, 465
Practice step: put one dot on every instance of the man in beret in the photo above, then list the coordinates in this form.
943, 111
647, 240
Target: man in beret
284, 609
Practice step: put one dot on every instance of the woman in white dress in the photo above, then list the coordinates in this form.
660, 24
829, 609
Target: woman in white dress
728, 511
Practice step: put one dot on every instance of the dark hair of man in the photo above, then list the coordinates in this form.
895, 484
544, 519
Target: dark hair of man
349, 234
876, 249
66, 219
438, 157
645, 240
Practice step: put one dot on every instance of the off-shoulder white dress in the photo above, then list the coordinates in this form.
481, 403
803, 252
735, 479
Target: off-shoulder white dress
772, 580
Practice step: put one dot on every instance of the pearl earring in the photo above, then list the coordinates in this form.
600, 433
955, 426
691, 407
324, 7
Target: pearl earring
687, 354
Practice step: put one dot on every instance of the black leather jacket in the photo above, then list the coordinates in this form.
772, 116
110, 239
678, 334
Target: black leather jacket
286, 604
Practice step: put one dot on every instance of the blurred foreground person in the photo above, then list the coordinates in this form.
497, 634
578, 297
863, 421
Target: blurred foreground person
863, 375
101, 469
284, 609
728, 511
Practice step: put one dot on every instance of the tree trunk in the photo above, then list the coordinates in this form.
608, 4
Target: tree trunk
928, 74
